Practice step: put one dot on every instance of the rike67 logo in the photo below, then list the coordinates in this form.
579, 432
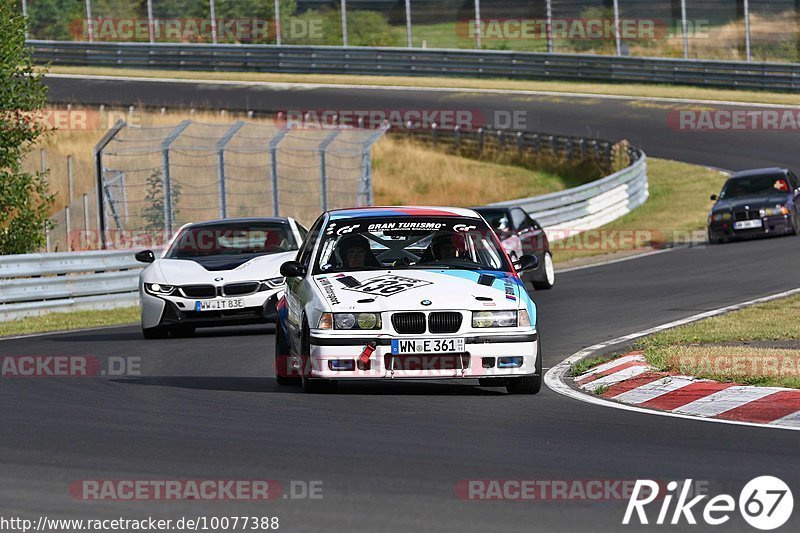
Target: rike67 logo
765, 503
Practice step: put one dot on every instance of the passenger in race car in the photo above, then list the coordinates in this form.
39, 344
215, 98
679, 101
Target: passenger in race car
446, 246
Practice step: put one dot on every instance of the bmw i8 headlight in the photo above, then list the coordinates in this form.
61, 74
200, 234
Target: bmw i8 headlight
159, 289
272, 283
494, 319
351, 321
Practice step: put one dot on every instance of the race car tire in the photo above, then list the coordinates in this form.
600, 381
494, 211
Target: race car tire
528, 384
545, 276
313, 386
158, 332
282, 358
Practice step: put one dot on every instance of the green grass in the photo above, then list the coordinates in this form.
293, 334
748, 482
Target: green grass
677, 207
580, 367
691, 348
69, 321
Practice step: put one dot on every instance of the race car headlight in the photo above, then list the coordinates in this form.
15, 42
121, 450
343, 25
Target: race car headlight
720, 217
356, 321
778, 210
159, 289
495, 319
272, 283
523, 318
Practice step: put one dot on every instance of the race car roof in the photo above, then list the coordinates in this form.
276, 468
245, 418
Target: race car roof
402, 211
242, 220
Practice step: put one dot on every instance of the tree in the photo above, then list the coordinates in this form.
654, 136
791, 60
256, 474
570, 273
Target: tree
153, 212
25, 201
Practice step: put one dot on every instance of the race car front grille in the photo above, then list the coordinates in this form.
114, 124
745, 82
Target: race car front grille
444, 322
409, 323
239, 289
199, 291
451, 361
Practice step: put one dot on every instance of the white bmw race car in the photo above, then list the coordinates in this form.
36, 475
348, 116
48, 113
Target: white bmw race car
406, 293
217, 273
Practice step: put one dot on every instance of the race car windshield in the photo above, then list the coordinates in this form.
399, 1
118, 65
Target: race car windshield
756, 185
232, 239
409, 243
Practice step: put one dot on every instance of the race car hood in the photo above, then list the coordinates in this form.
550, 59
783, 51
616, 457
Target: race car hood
186, 271
419, 290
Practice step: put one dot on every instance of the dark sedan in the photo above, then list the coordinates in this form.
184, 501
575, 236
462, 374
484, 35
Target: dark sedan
521, 235
755, 203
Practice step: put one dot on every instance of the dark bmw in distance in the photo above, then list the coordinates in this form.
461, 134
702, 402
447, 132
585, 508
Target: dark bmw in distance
755, 203
521, 235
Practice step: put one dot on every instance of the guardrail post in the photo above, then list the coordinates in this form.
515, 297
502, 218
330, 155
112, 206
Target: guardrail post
223, 203
166, 178
434, 134
69, 202
323, 172
344, 23
457, 138
98, 167
86, 219
520, 143
480, 141
273, 169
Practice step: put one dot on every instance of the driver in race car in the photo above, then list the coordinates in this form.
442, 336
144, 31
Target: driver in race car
353, 251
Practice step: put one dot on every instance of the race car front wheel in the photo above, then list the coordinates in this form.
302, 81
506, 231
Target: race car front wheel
158, 332
528, 384
282, 359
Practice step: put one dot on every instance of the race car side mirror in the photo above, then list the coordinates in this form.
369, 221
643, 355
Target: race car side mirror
527, 263
145, 256
714, 197
293, 269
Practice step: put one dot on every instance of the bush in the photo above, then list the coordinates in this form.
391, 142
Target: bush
24, 198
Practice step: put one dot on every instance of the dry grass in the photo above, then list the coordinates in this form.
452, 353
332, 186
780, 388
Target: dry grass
560, 87
409, 174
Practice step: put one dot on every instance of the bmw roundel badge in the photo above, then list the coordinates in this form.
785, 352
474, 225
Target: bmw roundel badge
425, 302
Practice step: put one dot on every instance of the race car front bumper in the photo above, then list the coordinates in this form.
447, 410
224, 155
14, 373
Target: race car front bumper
175, 310
485, 356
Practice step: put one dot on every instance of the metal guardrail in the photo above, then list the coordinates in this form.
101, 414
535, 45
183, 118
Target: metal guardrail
420, 62
34, 284
591, 205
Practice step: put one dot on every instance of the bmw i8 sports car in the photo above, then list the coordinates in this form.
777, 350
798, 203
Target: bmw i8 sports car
406, 293
217, 273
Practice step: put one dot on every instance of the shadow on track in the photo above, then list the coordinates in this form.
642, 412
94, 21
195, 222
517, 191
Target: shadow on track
373, 388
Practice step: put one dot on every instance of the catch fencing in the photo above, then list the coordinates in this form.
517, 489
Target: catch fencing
152, 180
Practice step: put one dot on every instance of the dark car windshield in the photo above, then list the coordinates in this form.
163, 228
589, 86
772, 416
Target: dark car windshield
225, 239
497, 218
755, 185
409, 243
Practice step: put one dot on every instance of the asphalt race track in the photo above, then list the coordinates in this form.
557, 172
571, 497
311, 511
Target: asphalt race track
390, 455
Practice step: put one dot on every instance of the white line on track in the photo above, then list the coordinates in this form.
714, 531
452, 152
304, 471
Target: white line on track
556, 377
410, 88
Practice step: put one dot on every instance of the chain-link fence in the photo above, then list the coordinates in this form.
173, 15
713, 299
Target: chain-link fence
155, 179
764, 30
